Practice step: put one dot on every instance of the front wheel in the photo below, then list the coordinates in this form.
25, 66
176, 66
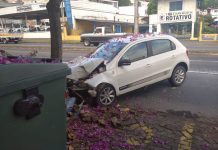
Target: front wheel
5, 41
87, 42
178, 76
106, 95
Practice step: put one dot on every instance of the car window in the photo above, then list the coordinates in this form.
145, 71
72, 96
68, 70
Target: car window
173, 45
136, 52
162, 46
108, 50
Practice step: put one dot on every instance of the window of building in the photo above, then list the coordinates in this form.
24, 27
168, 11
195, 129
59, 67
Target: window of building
175, 5
98, 31
162, 46
108, 30
136, 52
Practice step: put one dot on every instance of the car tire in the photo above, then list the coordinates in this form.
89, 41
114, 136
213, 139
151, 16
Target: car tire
5, 41
178, 76
106, 95
86, 42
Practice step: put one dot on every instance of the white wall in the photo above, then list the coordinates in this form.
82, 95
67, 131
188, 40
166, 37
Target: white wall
214, 13
188, 5
35, 35
129, 10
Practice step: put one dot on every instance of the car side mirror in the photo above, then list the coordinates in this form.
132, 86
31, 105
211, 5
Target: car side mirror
124, 62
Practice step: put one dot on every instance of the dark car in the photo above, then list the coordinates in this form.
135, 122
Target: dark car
214, 24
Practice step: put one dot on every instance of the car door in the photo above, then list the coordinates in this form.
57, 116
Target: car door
130, 77
163, 58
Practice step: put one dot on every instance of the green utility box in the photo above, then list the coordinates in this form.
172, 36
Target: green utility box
32, 108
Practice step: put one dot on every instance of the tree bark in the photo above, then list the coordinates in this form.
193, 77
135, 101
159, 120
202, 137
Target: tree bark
136, 16
54, 13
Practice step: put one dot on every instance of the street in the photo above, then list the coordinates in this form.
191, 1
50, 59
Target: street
198, 94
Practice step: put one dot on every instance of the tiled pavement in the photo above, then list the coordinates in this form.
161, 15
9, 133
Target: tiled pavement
139, 130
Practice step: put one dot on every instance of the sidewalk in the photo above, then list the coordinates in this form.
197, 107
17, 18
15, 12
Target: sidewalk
136, 129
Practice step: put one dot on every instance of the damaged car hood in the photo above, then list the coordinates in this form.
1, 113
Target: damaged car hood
82, 67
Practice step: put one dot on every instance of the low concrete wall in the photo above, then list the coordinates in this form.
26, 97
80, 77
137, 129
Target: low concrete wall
46, 35
36, 35
209, 37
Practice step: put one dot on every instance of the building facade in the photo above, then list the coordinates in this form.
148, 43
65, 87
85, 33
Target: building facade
175, 17
214, 13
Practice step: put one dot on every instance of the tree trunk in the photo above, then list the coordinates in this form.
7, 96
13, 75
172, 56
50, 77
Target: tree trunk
136, 16
54, 11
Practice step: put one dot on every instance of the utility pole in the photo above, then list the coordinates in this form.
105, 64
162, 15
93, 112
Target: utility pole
136, 17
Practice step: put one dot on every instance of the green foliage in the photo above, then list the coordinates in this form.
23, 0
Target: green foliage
209, 30
152, 7
208, 20
124, 2
205, 4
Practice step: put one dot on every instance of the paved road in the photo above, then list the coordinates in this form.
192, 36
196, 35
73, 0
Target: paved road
199, 93
195, 46
74, 50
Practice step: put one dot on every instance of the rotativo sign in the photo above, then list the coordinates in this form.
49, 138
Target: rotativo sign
176, 17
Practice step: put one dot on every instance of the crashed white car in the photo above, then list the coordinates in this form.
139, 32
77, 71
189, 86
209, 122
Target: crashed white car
125, 64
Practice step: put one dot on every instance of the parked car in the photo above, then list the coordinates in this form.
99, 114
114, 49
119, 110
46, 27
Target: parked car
25, 29
126, 64
10, 38
45, 26
35, 28
214, 24
100, 35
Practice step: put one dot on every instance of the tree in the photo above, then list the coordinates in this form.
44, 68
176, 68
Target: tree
136, 16
124, 2
152, 7
205, 4
54, 12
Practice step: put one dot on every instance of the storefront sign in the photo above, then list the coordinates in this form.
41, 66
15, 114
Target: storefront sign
176, 17
24, 8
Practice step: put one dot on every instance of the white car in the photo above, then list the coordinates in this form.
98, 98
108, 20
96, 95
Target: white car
126, 64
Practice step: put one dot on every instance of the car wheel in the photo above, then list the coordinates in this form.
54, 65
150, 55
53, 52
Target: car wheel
5, 41
106, 95
87, 42
178, 76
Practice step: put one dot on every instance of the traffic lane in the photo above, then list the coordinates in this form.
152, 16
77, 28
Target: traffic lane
209, 46
161, 96
79, 45
191, 45
204, 64
67, 55
198, 94
203, 57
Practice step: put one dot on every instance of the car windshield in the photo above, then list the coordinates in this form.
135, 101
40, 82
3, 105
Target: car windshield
108, 50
